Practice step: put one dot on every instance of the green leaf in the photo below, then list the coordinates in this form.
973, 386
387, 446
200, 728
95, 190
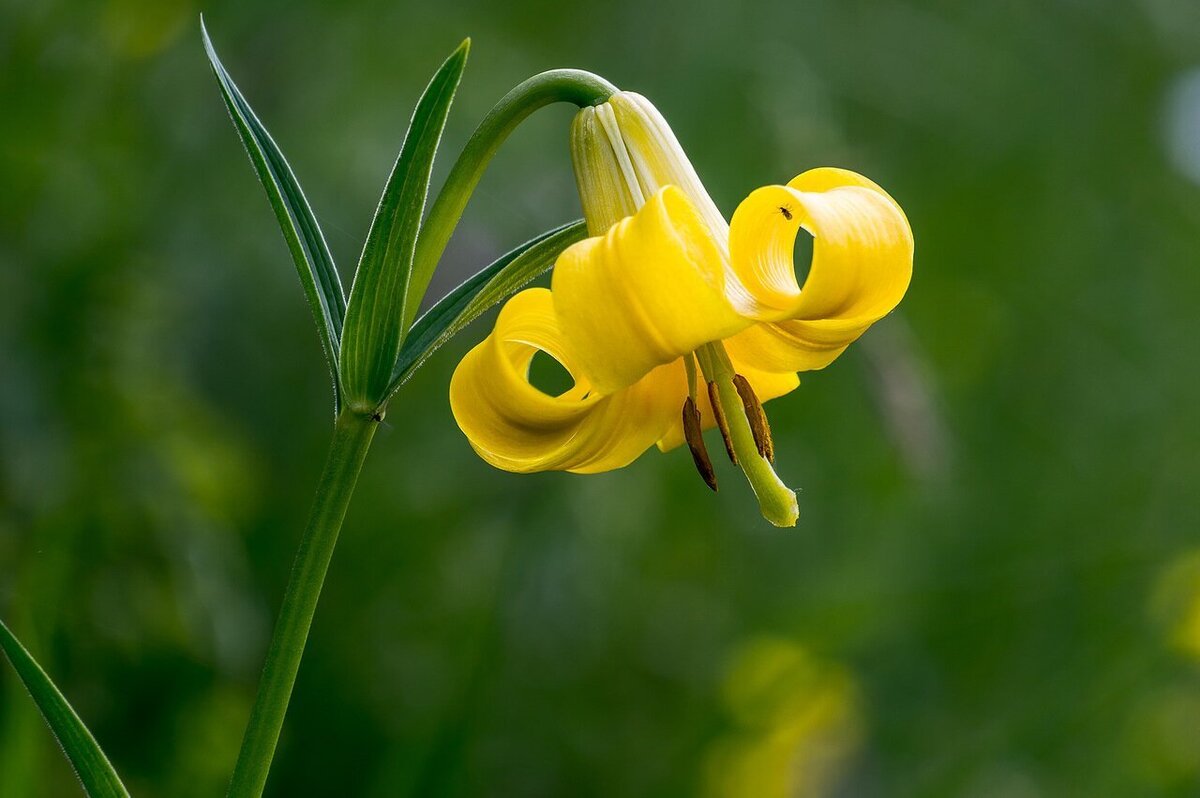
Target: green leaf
374, 328
469, 301
91, 765
314, 264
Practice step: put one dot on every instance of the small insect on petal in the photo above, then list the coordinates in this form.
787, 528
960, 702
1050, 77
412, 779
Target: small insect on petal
757, 418
695, 442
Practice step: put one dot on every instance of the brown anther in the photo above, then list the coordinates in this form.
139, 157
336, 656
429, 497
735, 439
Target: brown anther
756, 417
722, 423
695, 442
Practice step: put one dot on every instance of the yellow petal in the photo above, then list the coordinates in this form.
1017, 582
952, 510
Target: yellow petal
644, 294
767, 385
861, 267
791, 345
514, 426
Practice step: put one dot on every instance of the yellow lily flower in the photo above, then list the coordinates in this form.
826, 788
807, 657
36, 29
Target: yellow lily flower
666, 292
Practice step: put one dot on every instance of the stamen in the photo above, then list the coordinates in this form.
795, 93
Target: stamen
759, 426
689, 367
695, 442
722, 423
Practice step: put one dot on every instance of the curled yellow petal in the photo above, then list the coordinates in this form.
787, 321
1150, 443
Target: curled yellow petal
516, 427
861, 267
645, 293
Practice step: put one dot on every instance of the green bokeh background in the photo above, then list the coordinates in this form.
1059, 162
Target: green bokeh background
994, 589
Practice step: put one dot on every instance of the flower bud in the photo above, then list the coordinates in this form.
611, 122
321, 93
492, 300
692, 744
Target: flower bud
624, 152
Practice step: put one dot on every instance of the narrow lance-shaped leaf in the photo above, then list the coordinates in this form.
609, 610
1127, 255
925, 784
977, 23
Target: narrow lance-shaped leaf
95, 772
374, 329
314, 264
493, 284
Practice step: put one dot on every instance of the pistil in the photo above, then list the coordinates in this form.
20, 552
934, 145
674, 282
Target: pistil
748, 434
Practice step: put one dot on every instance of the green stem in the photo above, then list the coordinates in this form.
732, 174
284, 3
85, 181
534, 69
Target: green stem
351, 438
558, 85
776, 500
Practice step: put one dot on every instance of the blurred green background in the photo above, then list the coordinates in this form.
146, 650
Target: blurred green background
994, 589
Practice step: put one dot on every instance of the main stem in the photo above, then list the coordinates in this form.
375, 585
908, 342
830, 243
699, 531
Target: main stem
352, 436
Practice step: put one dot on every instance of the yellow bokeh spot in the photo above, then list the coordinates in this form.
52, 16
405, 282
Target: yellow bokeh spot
1176, 604
797, 723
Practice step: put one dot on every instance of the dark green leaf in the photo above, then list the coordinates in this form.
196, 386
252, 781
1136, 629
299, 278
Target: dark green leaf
314, 264
91, 765
493, 284
374, 328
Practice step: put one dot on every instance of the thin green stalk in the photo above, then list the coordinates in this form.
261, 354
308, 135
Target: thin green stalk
352, 436
558, 85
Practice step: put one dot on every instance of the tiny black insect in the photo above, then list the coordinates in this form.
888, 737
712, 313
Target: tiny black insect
786, 213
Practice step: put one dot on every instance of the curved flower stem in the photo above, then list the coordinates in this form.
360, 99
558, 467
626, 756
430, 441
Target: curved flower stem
776, 500
557, 85
352, 436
